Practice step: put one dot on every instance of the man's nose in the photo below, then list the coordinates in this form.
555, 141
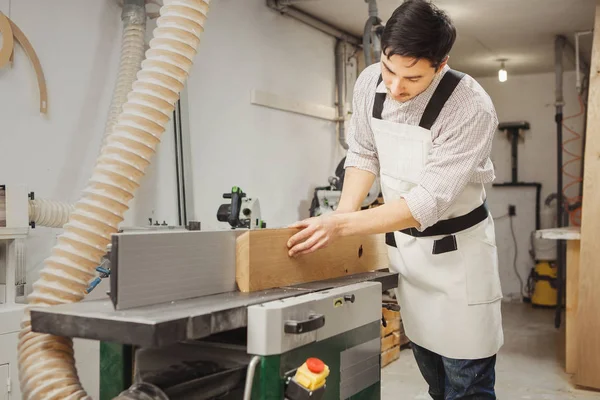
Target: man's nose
396, 88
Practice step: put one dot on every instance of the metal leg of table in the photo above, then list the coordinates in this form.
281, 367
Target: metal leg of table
116, 369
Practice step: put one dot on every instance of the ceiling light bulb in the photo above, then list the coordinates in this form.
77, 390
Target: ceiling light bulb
502, 74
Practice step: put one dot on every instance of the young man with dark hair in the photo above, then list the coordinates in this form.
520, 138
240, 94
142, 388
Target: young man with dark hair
427, 131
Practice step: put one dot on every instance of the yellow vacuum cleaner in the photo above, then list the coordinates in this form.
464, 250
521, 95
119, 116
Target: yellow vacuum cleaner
544, 284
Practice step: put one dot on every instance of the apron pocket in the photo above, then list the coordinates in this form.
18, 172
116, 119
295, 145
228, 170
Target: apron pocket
445, 245
481, 268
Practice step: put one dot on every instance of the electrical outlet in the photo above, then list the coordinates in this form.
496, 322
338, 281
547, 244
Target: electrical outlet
512, 210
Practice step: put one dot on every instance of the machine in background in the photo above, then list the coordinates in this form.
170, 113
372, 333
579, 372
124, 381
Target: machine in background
242, 212
327, 198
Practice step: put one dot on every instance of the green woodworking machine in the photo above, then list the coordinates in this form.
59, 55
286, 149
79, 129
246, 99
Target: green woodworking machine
174, 326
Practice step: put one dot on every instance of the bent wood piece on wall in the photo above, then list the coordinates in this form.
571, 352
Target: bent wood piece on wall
28, 48
6, 51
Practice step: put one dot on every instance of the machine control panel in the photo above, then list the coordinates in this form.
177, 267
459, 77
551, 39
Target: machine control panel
308, 382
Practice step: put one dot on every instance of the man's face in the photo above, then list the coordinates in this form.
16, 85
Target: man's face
405, 79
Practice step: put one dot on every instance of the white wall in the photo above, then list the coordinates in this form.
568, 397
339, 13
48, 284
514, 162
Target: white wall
530, 98
273, 155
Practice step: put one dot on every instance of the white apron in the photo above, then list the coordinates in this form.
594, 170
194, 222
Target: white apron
450, 302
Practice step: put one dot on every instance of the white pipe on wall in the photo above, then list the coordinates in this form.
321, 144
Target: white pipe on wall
132, 54
340, 75
577, 62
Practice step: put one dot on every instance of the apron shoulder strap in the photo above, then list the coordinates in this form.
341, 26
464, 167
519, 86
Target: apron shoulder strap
440, 96
379, 100
436, 103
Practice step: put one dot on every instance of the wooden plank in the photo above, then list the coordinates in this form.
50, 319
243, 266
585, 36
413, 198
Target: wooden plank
588, 317
391, 340
387, 342
262, 260
393, 325
573, 247
390, 315
390, 356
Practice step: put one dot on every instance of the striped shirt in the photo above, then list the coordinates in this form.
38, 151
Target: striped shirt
462, 140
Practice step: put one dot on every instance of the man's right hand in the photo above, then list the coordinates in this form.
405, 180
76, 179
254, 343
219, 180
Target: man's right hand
357, 184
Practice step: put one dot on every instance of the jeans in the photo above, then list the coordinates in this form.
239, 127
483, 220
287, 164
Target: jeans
452, 379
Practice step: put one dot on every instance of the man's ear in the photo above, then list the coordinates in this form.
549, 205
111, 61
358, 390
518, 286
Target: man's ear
443, 64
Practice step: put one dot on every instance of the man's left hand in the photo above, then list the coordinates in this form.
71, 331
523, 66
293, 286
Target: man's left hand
317, 233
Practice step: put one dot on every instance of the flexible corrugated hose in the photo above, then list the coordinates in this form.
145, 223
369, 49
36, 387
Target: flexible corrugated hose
132, 54
49, 213
46, 362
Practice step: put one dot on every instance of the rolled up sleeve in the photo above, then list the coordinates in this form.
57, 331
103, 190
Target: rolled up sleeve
362, 152
463, 145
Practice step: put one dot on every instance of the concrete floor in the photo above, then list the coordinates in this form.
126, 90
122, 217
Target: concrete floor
530, 365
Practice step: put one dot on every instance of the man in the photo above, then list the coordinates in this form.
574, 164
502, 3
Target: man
427, 131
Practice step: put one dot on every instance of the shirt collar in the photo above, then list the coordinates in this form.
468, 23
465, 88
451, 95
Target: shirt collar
427, 93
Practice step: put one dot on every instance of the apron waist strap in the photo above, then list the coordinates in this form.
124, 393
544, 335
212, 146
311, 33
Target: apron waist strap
447, 226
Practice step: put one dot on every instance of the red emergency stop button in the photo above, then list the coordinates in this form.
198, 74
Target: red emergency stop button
315, 365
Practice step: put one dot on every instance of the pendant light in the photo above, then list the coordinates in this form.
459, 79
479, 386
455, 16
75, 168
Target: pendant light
502, 74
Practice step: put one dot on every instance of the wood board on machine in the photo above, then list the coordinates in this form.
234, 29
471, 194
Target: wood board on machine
262, 260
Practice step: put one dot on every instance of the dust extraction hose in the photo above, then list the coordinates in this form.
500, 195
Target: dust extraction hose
49, 213
132, 54
46, 362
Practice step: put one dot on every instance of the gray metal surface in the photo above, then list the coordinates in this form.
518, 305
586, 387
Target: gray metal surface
266, 321
360, 367
173, 322
366, 378
157, 325
142, 271
349, 315
357, 354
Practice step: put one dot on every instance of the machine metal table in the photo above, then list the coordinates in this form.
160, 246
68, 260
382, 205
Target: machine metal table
341, 318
